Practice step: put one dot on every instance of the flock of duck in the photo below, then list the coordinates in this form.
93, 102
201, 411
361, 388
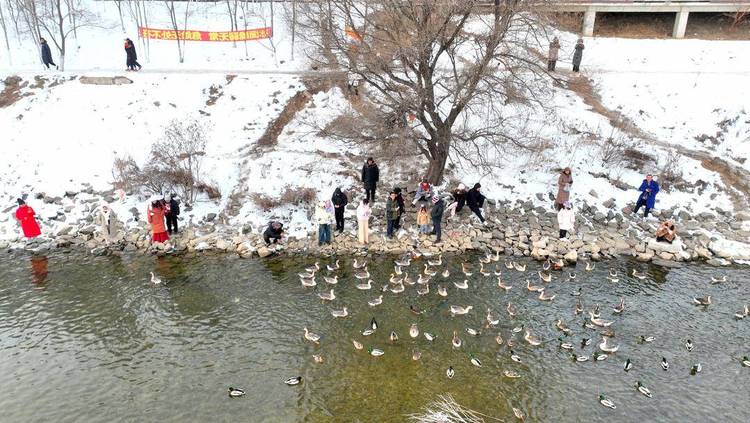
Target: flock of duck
433, 276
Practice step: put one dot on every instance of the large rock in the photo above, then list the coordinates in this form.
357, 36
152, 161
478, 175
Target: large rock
264, 252
729, 249
674, 248
571, 256
105, 80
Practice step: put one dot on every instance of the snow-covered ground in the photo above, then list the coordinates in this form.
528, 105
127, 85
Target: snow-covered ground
61, 137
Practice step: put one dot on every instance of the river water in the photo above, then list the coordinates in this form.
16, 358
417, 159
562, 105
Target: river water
86, 339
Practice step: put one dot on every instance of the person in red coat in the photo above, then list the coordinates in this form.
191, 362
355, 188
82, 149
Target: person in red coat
25, 215
155, 214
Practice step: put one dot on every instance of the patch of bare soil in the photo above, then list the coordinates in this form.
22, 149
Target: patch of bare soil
12, 91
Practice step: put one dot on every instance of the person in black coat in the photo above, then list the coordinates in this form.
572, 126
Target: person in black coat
131, 57
475, 201
370, 177
174, 211
46, 54
339, 201
401, 207
438, 207
273, 233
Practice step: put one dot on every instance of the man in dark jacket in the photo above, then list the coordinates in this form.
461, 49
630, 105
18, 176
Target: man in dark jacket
174, 211
401, 207
274, 232
438, 207
475, 200
339, 201
46, 54
370, 177
391, 213
131, 56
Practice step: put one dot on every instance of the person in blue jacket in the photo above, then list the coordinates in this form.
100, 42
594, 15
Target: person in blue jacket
649, 188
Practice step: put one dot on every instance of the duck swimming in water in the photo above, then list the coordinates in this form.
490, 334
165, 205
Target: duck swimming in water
308, 283
365, 274
498, 271
456, 341
519, 267
236, 392
423, 290
638, 275
442, 291
156, 280
375, 302
293, 380
531, 339
697, 368
446, 273
334, 267
590, 266
501, 285
393, 336
312, 337
483, 272
331, 280
533, 288
544, 296
462, 285
429, 272
702, 301
545, 277
375, 352
689, 345
466, 269
716, 280
509, 264
365, 286
607, 402
357, 345
642, 389
460, 310
561, 326
620, 307
414, 330
450, 372
492, 320
360, 264
403, 262
664, 364
606, 348
397, 289
327, 296
628, 365
340, 313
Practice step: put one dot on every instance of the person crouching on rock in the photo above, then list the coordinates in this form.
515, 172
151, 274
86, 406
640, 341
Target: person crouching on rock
566, 219
475, 201
459, 200
155, 214
274, 233
26, 217
424, 192
666, 232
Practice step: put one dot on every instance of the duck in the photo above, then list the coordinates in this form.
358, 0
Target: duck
514, 357
547, 265
499, 339
446, 273
442, 291
483, 272
606, 348
475, 361
620, 307
606, 402
357, 345
579, 307
486, 259
585, 342
456, 341
559, 264
306, 275
312, 337
742, 313
450, 372
394, 279
364, 286
318, 358
498, 272
643, 339
533, 288
397, 270
519, 267
745, 361
157, 281
531, 339
368, 332
327, 296
416, 310
407, 280
429, 272
705, 302
423, 280
236, 392
590, 266
511, 309
466, 269
642, 389
577, 293
628, 365
398, 289
358, 265
596, 312
461, 285
460, 310
308, 283
664, 364
403, 262
689, 345
423, 290
331, 280
519, 414
579, 358
637, 275
613, 280
496, 257
414, 330
561, 326
334, 267
375, 302
363, 274
373, 324
416, 355
545, 277
716, 280
544, 296
571, 276
509, 264
293, 380
314, 268
501, 285
565, 345
613, 275
430, 337
393, 337
472, 331
517, 329
510, 374
599, 322
436, 263
492, 320
340, 313
696, 369
375, 352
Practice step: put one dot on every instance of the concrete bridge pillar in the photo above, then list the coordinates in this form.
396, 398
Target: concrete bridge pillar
680, 23
589, 17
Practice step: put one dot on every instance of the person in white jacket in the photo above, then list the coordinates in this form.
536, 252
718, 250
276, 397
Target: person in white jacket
566, 219
363, 217
323, 217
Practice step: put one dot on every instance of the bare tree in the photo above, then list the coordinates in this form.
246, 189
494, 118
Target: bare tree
175, 25
436, 73
5, 33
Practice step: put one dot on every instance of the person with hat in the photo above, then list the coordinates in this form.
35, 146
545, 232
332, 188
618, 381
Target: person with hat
475, 200
391, 213
370, 178
438, 207
172, 212
566, 219
424, 192
155, 214
339, 201
26, 216
459, 200
323, 217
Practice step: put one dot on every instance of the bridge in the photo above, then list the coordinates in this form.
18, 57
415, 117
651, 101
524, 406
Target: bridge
681, 8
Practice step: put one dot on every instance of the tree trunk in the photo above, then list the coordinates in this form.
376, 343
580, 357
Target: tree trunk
5, 34
437, 166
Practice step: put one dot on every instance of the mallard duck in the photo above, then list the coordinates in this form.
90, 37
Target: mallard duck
394, 279
531, 339
327, 296
517, 329
606, 348
423, 280
293, 380
705, 302
635, 274
509, 264
475, 361
363, 274
436, 263
472, 331
308, 283
579, 307
544, 296
511, 309
376, 302
696, 369
368, 332
620, 307
628, 365
373, 324
596, 312
393, 337
608, 332
492, 320
689, 345
236, 392
446, 273
501, 285
375, 352
597, 356
519, 267
466, 269
429, 272
718, 280
340, 313
360, 264
403, 262
331, 280
397, 270
423, 290
561, 326
585, 342
496, 257
515, 357
664, 364
606, 402
613, 280
365, 286
571, 276
442, 291
642, 389
510, 374
519, 414
318, 358
745, 361
450, 372
741, 314
456, 341
397, 289
414, 330
486, 259
613, 276
499, 339
416, 310
157, 281
430, 337
357, 345
483, 272
547, 265
643, 339
312, 337
533, 288
461, 285
545, 277
334, 267
577, 293
498, 272
460, 310
416, 355
579, 358
565, 345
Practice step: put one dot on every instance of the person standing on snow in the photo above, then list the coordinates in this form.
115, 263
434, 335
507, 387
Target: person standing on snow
46, 54
363, 217
339, 201
131, 58
107, 221
391, 213
566, 219
370, 178
323, 218
578, 55
564, 183
438, 207
174, 211
401, 208
26, 217
554, 50
155, 214
649, 188
475, 201
424, 192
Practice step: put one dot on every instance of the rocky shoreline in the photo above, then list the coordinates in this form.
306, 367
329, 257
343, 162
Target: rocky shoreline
517, 229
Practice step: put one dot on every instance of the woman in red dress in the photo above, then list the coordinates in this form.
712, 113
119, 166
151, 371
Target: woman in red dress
155, 215
25, 215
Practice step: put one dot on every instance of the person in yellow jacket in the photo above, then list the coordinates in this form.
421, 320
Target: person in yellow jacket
423, 220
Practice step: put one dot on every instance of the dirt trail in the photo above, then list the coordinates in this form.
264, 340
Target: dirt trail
735, 177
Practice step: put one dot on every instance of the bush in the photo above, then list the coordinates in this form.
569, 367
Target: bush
290, 195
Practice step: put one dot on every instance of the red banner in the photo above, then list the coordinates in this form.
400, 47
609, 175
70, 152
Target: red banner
188, 35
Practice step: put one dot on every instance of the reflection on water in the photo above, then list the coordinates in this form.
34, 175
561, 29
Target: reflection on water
100, 340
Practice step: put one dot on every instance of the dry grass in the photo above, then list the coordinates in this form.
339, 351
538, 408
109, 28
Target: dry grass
295, 196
